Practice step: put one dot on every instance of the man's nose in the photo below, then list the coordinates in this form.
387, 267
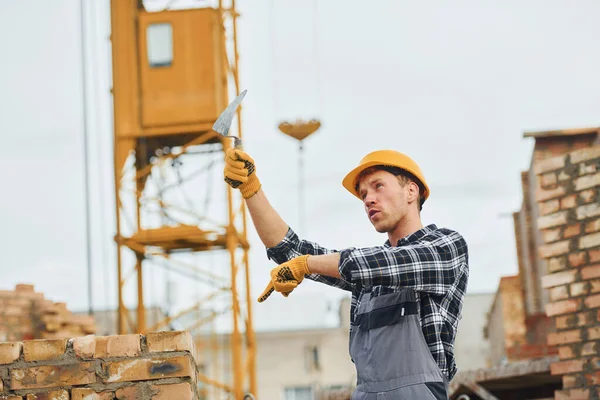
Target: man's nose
369, 199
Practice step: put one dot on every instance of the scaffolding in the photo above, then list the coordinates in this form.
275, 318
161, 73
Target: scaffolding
180, 228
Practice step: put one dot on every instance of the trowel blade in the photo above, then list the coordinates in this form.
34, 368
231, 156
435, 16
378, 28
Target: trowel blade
223, 123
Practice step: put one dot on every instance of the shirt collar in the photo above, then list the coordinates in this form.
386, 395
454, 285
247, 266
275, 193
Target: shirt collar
415, 236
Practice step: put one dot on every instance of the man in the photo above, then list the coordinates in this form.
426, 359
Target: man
407, 295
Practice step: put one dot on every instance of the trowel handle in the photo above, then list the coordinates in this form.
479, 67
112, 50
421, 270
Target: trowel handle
237, 142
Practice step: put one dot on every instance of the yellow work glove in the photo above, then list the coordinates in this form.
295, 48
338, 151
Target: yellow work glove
286, 277
240, 172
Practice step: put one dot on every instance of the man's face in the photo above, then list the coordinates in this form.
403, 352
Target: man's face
385, 200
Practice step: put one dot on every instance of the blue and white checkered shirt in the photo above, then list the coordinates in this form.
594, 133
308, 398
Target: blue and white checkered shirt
433, 261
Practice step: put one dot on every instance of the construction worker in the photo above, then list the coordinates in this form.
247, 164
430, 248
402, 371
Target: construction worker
407, 294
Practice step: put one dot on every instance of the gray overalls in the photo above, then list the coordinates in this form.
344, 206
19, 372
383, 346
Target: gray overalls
391, 356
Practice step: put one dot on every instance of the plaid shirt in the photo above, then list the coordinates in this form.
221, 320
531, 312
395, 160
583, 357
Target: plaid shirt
433, 261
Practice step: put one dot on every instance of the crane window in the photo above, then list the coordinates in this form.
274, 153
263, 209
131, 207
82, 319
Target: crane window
159, 43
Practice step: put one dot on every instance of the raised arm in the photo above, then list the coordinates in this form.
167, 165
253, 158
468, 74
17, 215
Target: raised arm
281, 242
240, 173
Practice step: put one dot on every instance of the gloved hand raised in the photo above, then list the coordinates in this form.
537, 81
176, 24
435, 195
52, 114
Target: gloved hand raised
286, 277
240, 172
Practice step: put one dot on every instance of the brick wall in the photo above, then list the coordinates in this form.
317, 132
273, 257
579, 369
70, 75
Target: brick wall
568, 199
506, 320
25, 314
160, 365
542, 201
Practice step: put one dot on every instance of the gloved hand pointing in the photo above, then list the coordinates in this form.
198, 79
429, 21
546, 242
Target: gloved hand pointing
286, 277
240, 172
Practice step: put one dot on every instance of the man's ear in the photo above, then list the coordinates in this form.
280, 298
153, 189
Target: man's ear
413, 191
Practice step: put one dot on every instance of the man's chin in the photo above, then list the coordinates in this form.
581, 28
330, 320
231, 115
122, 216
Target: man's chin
381, 228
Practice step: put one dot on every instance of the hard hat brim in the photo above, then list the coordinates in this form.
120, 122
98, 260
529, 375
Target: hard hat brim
349, 180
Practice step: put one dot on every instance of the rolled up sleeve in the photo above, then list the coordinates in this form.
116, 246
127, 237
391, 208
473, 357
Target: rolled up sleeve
291, 246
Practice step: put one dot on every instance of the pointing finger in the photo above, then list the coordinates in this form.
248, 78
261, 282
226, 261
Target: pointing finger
265, 295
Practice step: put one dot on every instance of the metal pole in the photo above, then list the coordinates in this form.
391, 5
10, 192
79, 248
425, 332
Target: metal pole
301, 189
250, 338
84, 92
140, 182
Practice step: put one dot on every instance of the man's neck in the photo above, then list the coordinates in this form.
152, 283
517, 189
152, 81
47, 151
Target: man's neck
410, 224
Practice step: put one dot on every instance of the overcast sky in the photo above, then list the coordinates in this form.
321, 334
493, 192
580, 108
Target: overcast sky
454, 85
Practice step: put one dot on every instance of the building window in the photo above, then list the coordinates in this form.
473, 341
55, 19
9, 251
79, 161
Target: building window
311, 358
159, 45
298, 393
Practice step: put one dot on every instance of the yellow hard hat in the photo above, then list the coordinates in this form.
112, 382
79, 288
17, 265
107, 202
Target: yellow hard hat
386, 158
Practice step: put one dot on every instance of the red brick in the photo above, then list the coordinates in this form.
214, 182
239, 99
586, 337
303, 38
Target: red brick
566, 367
593, 333
548, 180
594, 255
549, 207
572, 230
146, 369
118, 346
552, 235
170, 341
563, 307
588, 211
135, 392
587, 181
549, 164
180, 391
593, 378
566, 321
552, 220
556, 264
585, 318
10, 352
52, 376
89, 394
569, 201
571, 381
589, 241
566, 353
555, 249
593, 226
52, 395
24, 288
587, 196
590, 349
566, 337
559, 278
84, 346
558, 293
592, 301
541, 194
40, 350
584, 154
591, 272
572, 394
577, 259
11, 397
578, 289
564, 176
595, 286
585, 169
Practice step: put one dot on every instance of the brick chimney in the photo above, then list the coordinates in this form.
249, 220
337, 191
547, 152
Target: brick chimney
568, 201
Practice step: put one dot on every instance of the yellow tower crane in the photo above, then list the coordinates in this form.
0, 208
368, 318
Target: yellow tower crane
174, 71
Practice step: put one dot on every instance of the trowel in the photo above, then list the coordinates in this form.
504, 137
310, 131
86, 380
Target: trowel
223, 123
